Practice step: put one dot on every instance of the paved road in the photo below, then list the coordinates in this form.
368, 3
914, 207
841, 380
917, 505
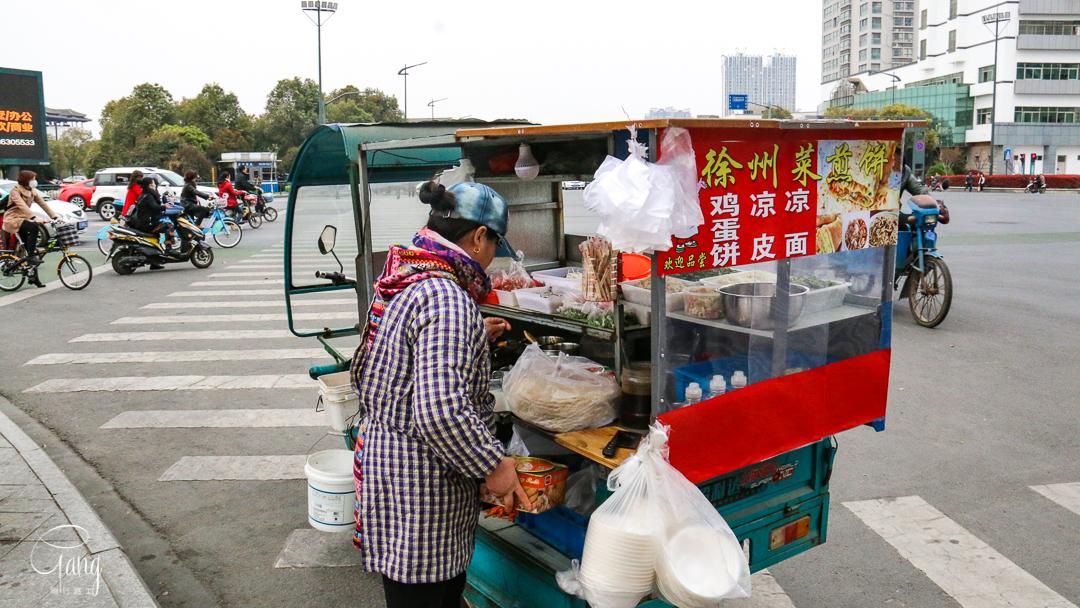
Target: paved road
971, 497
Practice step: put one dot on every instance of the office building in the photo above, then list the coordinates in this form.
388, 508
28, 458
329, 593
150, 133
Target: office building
1037, 114
766, 83
859, 36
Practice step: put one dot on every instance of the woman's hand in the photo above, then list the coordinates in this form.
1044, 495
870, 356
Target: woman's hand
504, 483
496, 327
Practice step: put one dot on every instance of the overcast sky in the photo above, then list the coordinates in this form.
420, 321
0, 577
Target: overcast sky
549, 61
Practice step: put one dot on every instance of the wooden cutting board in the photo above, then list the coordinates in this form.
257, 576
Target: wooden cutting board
590, 444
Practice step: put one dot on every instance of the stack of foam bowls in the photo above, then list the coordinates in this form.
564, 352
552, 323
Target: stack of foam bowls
619, 554
339, 399
698, 567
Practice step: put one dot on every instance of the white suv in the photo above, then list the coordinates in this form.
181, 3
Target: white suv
110, 187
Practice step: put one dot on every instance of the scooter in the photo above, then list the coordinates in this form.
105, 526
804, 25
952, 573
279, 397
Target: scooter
133, 248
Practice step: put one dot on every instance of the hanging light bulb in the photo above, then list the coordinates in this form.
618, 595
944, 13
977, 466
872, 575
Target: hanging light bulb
526, 166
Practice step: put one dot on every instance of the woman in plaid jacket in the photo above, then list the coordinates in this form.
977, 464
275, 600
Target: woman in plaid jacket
422, 372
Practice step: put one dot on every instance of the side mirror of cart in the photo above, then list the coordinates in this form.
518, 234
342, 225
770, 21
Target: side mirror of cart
327, 239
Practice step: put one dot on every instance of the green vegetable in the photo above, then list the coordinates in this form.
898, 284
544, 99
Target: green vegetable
812, 282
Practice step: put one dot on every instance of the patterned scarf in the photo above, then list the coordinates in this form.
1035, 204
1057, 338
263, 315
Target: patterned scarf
430, 257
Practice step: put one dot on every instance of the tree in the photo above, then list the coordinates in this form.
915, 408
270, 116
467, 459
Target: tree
368, 105
229, 140
70, 153
190, 158
895, 111
160, 148
286, 160
213, 111
292, 112
778, 113
125, 120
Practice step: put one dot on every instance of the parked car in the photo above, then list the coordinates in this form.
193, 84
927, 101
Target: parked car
71, 179
67, 211
110, 187
79, 193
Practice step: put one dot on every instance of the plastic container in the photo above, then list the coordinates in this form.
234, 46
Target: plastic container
759, 368
540, 299
618, 556
699, 568
717, 386
556, 279
818, 300
638, 292
560, 527
331, 491
339, 400
703, 303
738, 380
506, 298
693, 393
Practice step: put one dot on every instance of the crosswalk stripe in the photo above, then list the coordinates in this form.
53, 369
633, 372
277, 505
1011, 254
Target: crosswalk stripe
1064, 494
767, 593
238, 468
247, 266
310, 548
172, 383
225, 292
965, 567
188, 336
215, 419
245, 318
177, 356
229, 275
239, 283
251, 304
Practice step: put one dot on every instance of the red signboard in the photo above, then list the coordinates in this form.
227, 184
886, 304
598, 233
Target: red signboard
767, 199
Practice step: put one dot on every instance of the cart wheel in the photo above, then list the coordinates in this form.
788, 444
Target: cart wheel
931, 293
11, 276
74, 271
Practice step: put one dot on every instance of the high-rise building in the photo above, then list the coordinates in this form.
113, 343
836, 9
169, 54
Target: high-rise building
860, 36
1036, 118
669, 112
765, 83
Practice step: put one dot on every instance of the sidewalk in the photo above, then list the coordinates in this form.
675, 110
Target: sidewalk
54, 550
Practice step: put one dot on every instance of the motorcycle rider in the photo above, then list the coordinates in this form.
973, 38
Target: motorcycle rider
233, 198
244, 184
134, 190
908, 183
148, 212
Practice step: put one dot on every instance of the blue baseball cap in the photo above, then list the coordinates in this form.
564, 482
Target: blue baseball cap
480, 204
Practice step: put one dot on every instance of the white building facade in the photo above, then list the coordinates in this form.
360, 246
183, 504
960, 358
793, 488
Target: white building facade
1037, 113
765, 81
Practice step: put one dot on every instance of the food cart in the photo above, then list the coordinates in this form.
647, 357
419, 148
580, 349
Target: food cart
786, 286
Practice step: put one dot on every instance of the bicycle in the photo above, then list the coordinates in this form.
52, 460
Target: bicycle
74, 271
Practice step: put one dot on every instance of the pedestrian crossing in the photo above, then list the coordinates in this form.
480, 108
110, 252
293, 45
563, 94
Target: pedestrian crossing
952, 558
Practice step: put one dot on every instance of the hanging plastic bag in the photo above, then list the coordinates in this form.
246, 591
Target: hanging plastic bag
560, 394
511, 275
642, 204
581, 490
657, 523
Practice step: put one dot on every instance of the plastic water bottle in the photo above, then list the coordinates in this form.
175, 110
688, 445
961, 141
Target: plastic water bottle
738, 379
693, 393
717, 386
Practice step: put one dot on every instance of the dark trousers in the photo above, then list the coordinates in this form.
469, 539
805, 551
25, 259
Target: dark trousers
28, 232
197, 213
446, 594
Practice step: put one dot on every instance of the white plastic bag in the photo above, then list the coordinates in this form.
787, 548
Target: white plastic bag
657, 517
641, 204
560, 394
581, 490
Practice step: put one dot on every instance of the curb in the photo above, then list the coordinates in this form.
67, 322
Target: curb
124, 583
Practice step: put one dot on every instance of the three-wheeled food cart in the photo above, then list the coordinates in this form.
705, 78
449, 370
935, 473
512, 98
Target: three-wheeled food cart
786, 286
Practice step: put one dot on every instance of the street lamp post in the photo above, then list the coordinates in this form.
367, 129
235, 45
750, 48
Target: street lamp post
997, 19
431, 104
404, 72
319, 7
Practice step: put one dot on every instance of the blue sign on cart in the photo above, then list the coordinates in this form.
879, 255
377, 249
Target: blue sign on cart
736, 101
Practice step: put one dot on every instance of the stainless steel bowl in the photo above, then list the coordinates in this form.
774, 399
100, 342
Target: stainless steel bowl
570, 348
756, 306
545, 341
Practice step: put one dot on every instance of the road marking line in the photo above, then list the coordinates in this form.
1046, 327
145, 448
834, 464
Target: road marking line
247, 318
216, 419
177, 356
225, 292
229, 275
189, 336
1064, 494
250, 304
310, 548
965, 567
172, 383
238, 283
767, 593
29, 291
304, 267
236, 468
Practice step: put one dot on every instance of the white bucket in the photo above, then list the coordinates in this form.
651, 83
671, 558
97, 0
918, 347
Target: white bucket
331, 490
339, 400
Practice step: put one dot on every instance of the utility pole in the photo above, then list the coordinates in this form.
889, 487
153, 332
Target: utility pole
997, 19
319, 7
404, 72
431, 104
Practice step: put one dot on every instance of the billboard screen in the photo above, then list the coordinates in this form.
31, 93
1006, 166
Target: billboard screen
22, 118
